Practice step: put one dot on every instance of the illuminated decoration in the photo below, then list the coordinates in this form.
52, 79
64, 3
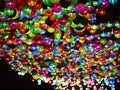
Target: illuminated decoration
61, 45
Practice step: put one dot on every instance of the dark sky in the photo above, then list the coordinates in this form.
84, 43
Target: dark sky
10, 80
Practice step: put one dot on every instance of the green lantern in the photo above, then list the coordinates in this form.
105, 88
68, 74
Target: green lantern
9, 12
26, 9
47, 2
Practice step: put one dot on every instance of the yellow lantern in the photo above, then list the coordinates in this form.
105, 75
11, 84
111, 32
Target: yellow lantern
31, 2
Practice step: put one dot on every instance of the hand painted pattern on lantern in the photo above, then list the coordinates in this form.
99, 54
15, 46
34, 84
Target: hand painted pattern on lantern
61, 44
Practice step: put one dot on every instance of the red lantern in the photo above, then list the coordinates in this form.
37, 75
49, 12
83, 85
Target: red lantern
102, 11
50, 48
85, 12
7, 58
78, 45
63, 21
88, 27
39, 42
38, 5
22, 30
